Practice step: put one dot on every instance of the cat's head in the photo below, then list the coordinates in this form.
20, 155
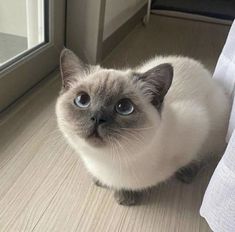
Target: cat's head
104, 106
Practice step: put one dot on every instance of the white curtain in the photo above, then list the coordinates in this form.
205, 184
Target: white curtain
218, 206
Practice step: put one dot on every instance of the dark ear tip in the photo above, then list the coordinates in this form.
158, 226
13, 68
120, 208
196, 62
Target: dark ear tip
168, 67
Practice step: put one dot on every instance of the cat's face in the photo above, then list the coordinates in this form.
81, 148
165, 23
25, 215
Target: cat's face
103, 107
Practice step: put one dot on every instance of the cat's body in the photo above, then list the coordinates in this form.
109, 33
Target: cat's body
190, 126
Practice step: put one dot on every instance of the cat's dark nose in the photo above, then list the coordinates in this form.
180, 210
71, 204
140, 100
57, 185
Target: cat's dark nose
99, 118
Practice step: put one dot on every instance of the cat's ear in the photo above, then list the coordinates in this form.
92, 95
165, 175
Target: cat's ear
156, 83
71, 68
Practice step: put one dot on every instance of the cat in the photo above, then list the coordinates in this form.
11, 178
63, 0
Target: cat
135, 128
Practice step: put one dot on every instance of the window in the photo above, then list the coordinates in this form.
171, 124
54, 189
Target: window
31, 38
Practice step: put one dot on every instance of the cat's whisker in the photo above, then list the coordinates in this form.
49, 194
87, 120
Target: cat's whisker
134, 133
112, 152
138, 129
118, 156
124, 158
126, 161
119, 144
135, 137
128, 140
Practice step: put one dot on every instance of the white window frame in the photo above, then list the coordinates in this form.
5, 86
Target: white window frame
35, 22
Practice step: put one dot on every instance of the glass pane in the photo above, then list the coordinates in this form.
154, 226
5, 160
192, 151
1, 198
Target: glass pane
22, 28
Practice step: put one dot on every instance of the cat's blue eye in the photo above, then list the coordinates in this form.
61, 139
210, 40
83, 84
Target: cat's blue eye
124, 107
83, 100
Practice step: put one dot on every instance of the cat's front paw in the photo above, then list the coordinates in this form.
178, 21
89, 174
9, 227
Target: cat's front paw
188, 173
98, 183
127, 198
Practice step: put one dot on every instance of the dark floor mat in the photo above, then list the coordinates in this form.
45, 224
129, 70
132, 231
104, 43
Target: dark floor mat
222, 9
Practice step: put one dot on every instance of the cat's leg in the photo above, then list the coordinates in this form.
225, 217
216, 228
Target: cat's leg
98, 183
188, 173
128, 198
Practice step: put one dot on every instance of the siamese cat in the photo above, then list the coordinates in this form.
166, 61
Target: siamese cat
135, 128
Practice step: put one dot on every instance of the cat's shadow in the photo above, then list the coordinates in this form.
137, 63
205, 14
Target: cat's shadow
174, 193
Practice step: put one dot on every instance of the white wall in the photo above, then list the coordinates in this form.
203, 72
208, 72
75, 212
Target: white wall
83, 25
118, 12
13, 17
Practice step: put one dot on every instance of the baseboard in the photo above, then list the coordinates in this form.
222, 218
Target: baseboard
116, 37
190, 16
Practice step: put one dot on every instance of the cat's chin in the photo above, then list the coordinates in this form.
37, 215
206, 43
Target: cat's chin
96, 139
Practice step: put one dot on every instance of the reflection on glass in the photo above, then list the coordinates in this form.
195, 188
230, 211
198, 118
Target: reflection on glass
21, 27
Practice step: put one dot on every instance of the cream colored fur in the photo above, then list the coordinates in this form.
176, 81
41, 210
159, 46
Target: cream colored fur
192, 126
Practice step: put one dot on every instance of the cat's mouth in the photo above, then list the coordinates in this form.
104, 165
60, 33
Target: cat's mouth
95, 137
94, 134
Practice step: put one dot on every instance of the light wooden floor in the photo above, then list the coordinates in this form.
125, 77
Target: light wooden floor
43, 184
